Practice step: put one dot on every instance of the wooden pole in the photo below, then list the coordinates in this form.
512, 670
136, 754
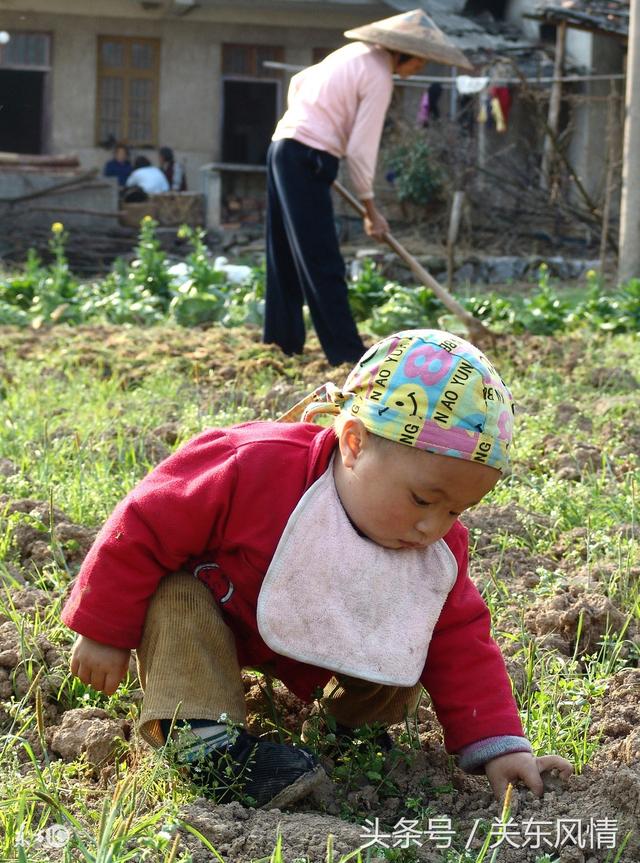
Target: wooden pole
476, 328
555, 101
83, 211
629, 257
482, 145
452, 235
611, 162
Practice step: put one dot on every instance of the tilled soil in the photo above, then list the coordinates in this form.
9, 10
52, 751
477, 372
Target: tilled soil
578, 816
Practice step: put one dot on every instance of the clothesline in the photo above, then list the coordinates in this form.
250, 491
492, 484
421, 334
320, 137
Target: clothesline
499, 81
420, 80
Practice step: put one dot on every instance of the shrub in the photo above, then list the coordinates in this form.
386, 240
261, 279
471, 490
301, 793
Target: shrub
417, 178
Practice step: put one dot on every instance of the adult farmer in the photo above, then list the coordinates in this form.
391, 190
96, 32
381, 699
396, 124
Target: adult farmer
336, 110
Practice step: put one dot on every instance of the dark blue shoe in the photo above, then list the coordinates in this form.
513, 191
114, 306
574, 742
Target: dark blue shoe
255, 772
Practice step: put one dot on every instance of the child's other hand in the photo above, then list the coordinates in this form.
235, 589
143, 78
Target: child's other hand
522, 766
99, 665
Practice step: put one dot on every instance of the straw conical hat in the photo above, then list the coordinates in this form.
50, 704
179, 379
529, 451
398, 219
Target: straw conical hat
412, 33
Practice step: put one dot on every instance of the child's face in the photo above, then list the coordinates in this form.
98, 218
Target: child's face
401, 497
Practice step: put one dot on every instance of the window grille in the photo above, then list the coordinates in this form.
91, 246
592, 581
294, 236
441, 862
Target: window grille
127, 98
26, 51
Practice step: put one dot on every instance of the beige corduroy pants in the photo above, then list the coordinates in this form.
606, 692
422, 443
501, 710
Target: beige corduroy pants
188, 668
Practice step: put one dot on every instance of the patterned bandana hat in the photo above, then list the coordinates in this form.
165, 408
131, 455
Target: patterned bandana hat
435, 391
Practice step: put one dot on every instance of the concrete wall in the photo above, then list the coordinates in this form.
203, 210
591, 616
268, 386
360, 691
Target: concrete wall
311, 14
591, 114
190, 62
100, 195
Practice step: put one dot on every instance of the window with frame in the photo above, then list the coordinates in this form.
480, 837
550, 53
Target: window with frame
246, 61
128, 86
251, 98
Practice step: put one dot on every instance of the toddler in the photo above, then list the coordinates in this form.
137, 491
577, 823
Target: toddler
333, 557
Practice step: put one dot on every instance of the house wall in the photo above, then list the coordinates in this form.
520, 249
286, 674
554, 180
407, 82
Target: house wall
595, 131
190, 107
579, 48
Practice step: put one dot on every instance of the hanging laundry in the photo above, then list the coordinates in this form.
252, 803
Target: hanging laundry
467, 85
500, 106
497, 116
435, 92
429, 108
422, 117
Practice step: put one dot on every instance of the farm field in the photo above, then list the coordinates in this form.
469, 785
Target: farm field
86, 409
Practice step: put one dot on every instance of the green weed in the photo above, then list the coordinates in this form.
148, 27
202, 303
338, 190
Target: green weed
145, 291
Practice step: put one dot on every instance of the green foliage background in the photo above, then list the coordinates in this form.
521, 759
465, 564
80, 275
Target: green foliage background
143, 291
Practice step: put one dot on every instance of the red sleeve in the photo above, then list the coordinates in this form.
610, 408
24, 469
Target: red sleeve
175, 513
465, 674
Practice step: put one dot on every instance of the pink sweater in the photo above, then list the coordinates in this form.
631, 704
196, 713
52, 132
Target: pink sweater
339, 106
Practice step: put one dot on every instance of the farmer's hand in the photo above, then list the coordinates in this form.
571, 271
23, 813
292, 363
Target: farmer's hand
375, 224
99, 665
522, 766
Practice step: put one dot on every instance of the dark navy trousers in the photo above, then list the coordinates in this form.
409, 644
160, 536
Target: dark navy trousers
304, 263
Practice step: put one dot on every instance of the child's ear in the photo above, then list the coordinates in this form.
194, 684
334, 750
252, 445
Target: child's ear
351, 441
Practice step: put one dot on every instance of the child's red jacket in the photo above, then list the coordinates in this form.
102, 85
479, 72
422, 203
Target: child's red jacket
224, 498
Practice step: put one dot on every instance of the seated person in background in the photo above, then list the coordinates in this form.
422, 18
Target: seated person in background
120, 166
145, 180
173, 171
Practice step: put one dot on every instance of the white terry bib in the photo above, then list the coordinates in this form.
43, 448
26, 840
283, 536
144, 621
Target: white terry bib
336, 600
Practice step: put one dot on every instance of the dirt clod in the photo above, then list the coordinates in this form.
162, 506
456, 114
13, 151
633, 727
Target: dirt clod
89, 732
586, 617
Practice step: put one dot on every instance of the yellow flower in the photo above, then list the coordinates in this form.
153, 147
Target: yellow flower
591, 274
146, 219
57, 228
543, 267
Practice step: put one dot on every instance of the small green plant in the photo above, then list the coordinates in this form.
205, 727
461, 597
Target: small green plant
202, 273
500, 312
46, 292
404, 309
618, 312
19, 289
366, 290
544, 313
148, 271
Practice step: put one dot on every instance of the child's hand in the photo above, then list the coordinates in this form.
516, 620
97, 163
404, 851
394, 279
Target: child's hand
99, 665
522, 766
